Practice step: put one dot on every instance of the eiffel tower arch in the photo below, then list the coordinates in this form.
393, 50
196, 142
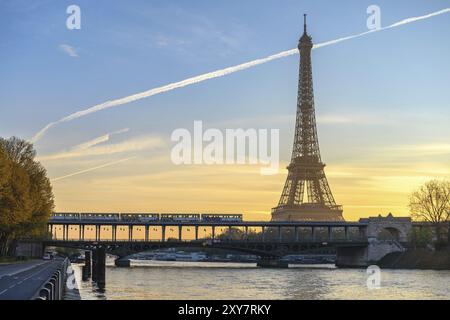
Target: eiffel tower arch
306, 194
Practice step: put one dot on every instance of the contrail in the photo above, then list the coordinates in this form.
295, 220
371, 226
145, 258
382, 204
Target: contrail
91, 169
216, 74
98, 140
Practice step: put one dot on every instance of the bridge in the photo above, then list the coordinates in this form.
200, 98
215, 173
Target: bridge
267, 239
356, 244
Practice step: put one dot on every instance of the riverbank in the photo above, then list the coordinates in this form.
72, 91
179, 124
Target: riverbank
420, 259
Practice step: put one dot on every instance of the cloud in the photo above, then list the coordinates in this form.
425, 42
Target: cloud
214, 74
69, 50
348, 119
433, 149
98, 140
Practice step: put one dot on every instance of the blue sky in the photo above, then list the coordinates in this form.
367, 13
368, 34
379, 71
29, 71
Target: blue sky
375, 95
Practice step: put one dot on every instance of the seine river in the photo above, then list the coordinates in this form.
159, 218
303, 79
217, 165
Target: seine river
210, 280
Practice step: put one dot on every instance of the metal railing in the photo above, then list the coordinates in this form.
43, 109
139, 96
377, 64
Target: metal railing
54, 288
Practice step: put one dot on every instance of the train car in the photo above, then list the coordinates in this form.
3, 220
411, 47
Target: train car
180, 217
64, 216
222, 217
139, 217
100, 216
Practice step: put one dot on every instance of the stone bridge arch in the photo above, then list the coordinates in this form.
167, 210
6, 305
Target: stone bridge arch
388, 228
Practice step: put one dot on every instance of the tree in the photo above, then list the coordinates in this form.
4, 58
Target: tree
431, 203
420, 237
4, 168
26, 197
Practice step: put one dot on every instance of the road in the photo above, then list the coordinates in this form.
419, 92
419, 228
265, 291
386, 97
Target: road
22, 281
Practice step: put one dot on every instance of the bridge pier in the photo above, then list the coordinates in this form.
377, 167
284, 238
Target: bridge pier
101, 268
196, 232
94, 265
87, 266
147, 233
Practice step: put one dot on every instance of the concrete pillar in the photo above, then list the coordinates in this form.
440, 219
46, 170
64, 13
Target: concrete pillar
213, 232
87, 263
180, 233
79, 232
94, 265
96, 232
130, 233
147, 233
196, 232
101, 268
114, 233
163, 232
84, 273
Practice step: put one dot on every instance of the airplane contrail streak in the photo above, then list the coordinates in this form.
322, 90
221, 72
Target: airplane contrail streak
91, 169
216, 74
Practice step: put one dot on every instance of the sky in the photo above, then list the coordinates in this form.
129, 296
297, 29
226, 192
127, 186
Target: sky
382, 100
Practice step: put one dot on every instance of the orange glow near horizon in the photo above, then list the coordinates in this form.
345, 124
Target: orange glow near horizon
362, 190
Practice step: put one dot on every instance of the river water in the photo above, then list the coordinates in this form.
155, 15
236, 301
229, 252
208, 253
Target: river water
211, 280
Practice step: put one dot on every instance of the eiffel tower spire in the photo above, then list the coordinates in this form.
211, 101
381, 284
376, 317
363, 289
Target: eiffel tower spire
306, 194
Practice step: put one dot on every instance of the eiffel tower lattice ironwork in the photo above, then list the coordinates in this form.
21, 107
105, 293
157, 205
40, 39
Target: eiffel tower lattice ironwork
306, 193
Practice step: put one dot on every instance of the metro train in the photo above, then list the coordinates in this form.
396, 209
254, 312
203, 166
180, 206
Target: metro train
145, 217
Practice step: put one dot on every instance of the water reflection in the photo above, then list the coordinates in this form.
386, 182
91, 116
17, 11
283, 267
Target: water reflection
245, 281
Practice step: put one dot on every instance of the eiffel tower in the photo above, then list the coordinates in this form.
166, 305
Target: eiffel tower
306, 194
